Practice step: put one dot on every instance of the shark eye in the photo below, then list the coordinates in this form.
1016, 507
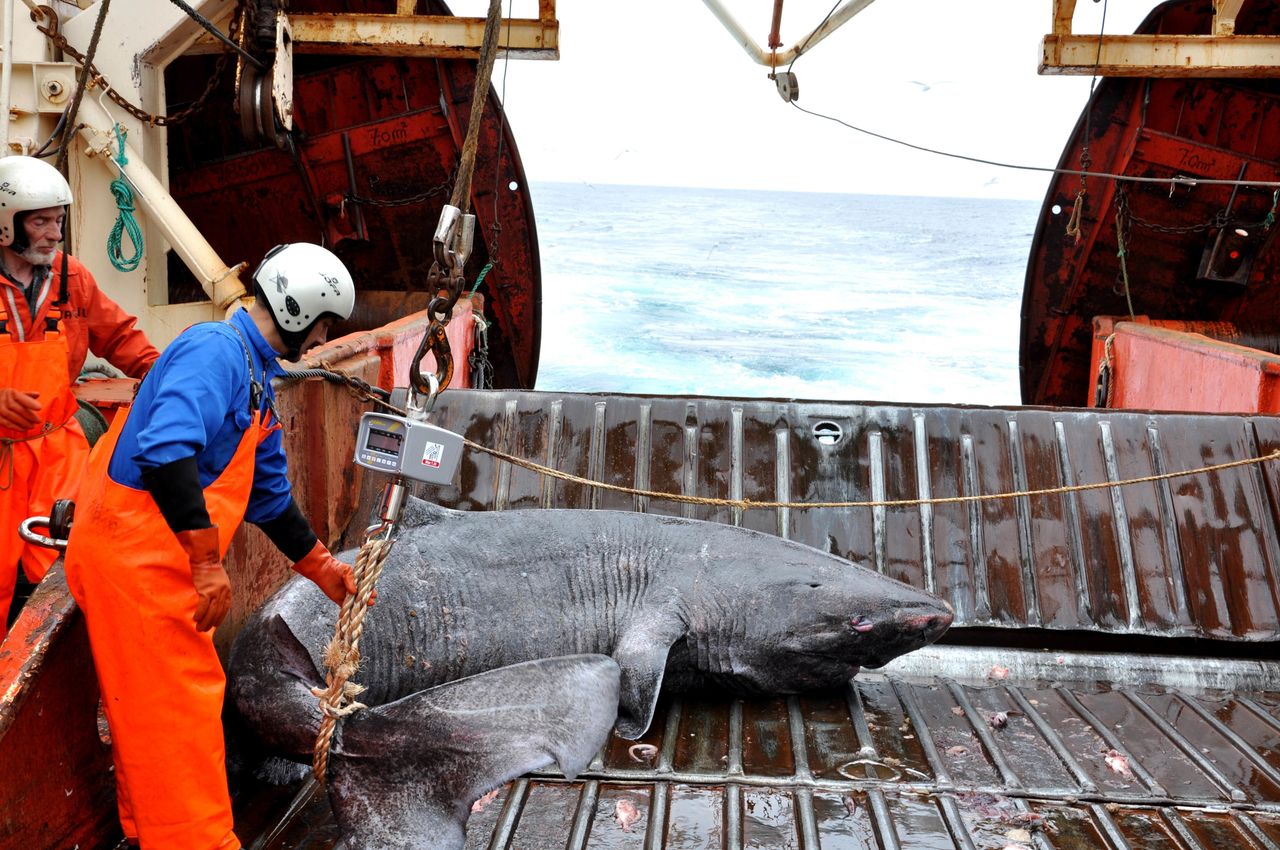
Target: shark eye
814, 585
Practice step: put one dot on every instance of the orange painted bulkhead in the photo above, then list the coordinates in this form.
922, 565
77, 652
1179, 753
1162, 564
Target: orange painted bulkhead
1174, 365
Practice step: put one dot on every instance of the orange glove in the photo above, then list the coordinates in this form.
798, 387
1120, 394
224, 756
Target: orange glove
335, 578
207, 574
18, 409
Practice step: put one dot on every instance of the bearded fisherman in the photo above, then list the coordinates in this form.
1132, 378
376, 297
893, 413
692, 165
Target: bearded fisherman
166, 489
51, 314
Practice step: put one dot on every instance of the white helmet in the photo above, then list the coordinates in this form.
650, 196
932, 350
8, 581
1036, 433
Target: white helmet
301, 284
27, 183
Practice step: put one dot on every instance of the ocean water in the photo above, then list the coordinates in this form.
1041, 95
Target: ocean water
676, 291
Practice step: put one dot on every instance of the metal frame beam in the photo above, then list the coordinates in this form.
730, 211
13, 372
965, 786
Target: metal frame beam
1162, 55
432, 36
1221, 54
1224, 16
772, 58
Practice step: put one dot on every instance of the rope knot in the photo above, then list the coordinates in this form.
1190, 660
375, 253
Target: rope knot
342, 654
126, 224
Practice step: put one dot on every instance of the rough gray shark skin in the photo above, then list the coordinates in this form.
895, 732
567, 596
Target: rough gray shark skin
403, 775
694, 602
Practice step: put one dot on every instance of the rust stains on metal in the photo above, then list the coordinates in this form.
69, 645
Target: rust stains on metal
1175, 130
398, 119
55, 773
420, 36
1209, 52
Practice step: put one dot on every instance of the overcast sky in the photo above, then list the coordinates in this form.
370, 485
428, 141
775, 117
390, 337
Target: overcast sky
659, 93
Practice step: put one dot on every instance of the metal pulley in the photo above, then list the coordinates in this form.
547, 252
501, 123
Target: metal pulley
257, 112
788, 86
57, 524
264, 96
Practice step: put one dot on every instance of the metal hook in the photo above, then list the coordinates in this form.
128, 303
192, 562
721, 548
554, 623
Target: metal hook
419, 410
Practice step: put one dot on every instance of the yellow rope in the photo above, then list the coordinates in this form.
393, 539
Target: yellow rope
748, 504
6, 449
342, 655
1077, 211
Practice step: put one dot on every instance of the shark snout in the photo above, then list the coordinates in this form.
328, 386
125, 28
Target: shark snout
929, 621
929, 625
910, 628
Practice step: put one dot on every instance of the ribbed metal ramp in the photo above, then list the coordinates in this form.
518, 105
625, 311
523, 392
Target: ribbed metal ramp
902, 760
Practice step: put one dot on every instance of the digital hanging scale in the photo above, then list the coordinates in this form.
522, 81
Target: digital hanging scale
400, 446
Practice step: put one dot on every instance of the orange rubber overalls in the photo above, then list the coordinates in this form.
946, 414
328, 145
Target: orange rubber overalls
162, 683
43, 464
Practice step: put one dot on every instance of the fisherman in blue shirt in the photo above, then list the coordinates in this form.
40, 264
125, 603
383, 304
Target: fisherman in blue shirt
198, 452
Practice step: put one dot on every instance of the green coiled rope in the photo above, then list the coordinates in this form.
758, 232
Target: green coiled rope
125, 222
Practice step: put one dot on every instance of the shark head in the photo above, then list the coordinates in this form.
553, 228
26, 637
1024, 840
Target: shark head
797, 619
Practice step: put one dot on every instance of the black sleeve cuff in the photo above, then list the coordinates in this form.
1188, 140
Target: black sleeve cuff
290, 532
176, 489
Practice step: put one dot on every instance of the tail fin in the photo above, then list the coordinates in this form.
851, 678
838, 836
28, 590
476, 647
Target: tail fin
407, 773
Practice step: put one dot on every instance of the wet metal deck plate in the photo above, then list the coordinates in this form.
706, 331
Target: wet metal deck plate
916, 755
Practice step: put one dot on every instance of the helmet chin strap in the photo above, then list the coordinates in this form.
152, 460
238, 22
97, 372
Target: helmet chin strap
293, 340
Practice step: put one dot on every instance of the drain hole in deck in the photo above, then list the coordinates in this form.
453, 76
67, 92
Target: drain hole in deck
827, 433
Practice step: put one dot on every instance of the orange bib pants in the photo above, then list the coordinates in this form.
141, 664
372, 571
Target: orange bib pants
44, 464
162, 683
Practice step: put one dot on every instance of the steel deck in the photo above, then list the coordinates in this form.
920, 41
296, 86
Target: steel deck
915, 756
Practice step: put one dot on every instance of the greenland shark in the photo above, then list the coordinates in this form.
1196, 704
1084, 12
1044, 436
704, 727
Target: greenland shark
670, 602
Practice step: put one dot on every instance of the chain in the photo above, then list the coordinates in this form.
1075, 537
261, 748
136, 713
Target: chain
1222, 218
1123, 221
442, 189
52, 33
478, 360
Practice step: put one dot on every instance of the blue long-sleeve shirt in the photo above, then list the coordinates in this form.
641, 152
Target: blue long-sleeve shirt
195, 402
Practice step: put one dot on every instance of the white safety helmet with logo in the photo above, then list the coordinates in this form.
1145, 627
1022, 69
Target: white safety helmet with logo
26, 184
302, 283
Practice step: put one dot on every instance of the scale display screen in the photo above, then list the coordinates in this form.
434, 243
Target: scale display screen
384, 442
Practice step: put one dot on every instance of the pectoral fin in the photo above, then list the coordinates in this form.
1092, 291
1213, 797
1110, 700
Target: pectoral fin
272, 689
642, 655
406, 773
